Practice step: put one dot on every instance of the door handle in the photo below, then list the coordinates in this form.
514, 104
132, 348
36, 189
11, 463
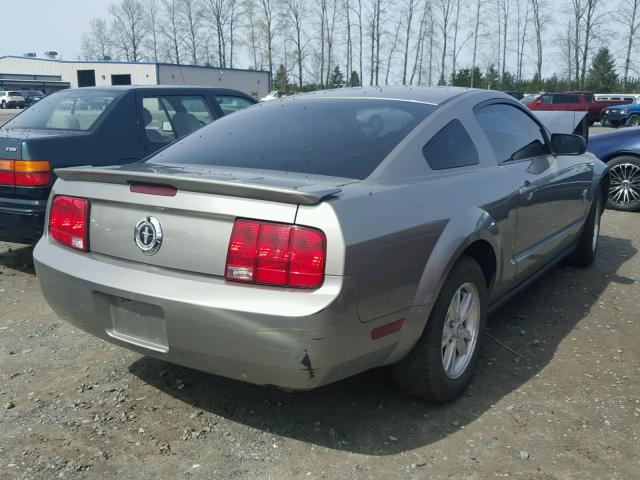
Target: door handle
527, 189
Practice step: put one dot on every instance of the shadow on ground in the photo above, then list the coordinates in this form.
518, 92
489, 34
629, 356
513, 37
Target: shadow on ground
18, 258
367, 414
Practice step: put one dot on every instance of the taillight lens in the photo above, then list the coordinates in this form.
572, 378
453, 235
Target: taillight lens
25, 173
68, 221
276, 254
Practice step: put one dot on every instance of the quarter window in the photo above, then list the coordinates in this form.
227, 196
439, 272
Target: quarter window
229, 104
451, 147
513, 135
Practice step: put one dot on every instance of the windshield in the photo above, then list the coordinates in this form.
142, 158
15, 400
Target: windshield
337, 137
66, 110
528, 99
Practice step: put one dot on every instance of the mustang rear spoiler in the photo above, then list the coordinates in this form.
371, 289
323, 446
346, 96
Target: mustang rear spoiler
262, 187
565, 122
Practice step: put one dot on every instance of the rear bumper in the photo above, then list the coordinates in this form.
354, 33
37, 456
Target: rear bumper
22, 221
269, 336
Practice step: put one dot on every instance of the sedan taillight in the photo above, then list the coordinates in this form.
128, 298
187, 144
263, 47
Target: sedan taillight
25, 173
68, 221
276, 254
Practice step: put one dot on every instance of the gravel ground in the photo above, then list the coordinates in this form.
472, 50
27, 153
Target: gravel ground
557, 396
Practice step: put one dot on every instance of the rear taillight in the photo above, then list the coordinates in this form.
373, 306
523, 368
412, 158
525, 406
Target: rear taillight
276, 254
25, 173
68, 221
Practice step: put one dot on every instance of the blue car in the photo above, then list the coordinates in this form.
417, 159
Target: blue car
93, 126
627, 115
621, 151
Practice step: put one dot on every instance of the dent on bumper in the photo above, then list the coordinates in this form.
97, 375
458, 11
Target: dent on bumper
264, 335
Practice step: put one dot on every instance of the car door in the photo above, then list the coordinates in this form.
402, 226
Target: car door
550, 191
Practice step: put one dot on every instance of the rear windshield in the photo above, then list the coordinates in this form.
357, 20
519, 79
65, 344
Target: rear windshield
66, 110
14, 94
337, 137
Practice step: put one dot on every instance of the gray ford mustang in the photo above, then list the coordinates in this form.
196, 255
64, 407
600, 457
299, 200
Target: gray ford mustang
298, 242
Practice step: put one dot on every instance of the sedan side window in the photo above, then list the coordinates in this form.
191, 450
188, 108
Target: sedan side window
513, 135
173, 116
157, 123
229, 104
451, 147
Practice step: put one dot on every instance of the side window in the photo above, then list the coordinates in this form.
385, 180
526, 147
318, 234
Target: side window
451, 147
573, 99
174, 116
513, 135
157, 122
229, 104
559, 99
546, 99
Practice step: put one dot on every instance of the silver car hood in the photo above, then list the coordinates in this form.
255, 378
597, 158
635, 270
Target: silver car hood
276, 186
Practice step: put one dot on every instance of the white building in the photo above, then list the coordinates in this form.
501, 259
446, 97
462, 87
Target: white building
22, 73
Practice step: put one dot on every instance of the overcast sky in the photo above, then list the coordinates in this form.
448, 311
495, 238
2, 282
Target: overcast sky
48, 25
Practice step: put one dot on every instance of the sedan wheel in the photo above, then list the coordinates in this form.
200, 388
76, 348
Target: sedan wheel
460, 332
633, 121
624, 186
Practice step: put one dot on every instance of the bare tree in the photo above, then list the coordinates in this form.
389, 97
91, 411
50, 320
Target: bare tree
296, 11
392, 49
153, 27
129, 27
323, 32
267, 26
218, 16
171, 30
330, 29
505, 19
630, 15
349, 51
409, 11
419, 50
522, 22
360, 40
476, 36
96, 43
191, 15
253, 40
539, 18
445, 10
235, 13
579, 8
591, 18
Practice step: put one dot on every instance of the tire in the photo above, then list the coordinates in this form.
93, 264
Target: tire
633, 121
587, 247
422, 373
624, 190
4, 105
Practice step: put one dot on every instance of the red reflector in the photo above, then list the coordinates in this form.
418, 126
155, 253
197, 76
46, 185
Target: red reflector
68, 221
39, 179
275, 254
387, 329
153, 189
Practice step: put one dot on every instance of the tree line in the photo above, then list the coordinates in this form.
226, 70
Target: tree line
502, 44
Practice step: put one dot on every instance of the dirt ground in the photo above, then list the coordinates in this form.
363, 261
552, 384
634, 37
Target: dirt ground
557, 396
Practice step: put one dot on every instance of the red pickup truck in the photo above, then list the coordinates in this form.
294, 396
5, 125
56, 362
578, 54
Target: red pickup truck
573, 102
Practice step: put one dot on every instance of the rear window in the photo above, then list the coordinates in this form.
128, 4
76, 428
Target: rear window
14, 94
66, 110
337, 137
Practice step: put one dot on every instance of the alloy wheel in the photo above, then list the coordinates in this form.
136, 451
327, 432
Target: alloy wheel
461, 329
624, 188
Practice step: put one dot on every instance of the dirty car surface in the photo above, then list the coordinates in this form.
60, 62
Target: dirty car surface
324, 235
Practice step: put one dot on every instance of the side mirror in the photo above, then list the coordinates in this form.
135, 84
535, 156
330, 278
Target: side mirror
567, 144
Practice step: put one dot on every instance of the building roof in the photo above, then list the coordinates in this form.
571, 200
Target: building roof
116, 62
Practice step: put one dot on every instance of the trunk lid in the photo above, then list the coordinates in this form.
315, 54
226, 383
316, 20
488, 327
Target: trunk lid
196, 223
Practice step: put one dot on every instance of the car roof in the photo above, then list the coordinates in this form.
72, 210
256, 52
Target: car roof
427, 95
121, 88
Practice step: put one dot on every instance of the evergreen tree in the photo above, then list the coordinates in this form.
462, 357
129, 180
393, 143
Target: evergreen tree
602, 76
354, 81
337, 78
282, 80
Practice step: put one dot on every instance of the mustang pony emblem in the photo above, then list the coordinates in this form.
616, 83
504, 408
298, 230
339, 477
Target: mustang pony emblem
148, 235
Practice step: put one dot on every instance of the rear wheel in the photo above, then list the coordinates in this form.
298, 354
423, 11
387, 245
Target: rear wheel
624, 187
3, 105
441, 364
633, 121
587, 247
